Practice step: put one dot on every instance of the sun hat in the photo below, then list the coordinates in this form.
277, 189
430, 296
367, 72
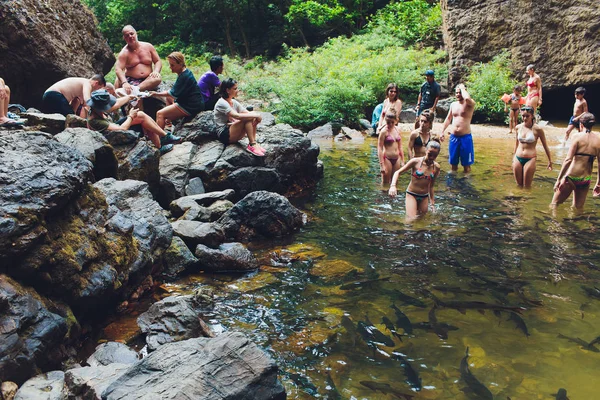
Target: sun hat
101, 100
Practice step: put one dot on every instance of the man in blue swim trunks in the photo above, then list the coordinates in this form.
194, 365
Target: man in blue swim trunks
460, 114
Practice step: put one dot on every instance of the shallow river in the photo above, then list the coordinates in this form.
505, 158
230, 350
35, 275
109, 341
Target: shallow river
357, 268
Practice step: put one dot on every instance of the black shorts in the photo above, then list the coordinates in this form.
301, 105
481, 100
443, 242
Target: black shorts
223, 134
56, 103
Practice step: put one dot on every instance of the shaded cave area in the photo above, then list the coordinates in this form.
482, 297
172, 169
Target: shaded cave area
558, 103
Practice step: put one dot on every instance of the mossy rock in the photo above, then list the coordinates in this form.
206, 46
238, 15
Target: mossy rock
333, 271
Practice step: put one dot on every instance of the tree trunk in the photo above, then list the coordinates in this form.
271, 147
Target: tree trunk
228, 35
246, 44
302, 34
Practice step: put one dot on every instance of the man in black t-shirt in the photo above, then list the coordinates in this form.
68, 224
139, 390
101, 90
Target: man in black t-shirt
428, 96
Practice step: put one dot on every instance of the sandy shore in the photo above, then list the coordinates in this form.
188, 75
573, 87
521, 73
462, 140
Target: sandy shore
553, 134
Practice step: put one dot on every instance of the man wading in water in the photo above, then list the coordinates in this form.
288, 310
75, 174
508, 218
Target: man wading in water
461, 141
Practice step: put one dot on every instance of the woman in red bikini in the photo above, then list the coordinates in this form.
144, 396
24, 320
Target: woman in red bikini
528, 134
392, 101
419, 193
389, 147
534, 89
576, 172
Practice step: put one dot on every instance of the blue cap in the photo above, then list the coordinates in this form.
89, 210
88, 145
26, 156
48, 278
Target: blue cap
429, 72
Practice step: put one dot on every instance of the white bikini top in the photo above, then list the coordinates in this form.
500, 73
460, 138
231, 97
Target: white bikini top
529, 138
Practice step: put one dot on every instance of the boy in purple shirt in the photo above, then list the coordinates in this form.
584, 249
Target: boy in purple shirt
210, 81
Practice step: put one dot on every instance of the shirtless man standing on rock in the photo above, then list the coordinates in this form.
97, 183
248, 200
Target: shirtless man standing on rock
461, 141
134, 64
70, 95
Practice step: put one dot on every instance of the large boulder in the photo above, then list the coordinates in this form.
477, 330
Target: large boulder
174, 172
548, 34
94, 147
50, 175
178, 258
30, 334
112, 352
226, 258
48, 386
261, 215
139, 162
44, 42
90, 382
226, 367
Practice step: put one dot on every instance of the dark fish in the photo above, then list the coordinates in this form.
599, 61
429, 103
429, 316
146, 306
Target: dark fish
473, 384
584, 345
402, 320
455, 289
412, 376
435, 326
562, 394
350, 329
390, 327
427, 326
368, 282
406, 299
532, 302
371, 335
463, 306
593, 342
385, 388
592, 291
304, 383
516, 318
332, 391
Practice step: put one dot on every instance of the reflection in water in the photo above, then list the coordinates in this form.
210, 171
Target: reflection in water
365, 306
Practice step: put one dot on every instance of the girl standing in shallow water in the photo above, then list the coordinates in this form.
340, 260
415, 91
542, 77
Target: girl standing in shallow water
420, 137
528, 134
389, 147
419, 193
392, 101
576, 172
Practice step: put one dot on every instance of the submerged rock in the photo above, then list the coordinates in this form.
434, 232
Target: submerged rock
261, 215
226, 367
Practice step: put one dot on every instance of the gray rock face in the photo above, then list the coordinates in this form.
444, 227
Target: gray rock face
49, 123
131, 204
58, 38
50, 176
228, 257
48, 386
322, 132
112, 352
261, 215
443, 107
181, 205
119, 138
408, 114
140, 163
226, 367
178, 258
194, 186
94, 147
170, 320
194, 233
90, 382
563, 51
174, 173
30, 334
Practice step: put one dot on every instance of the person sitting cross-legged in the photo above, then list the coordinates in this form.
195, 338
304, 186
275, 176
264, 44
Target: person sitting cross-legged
102, 103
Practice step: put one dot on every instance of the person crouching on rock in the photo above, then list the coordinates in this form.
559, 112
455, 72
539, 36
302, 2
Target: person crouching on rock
234, 121
185, 98
101, 103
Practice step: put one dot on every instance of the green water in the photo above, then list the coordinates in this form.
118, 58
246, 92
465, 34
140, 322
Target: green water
487, 236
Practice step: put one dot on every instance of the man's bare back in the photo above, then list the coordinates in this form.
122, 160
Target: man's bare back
72, 88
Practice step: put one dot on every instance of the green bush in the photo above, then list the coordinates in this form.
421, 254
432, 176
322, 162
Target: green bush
487, 82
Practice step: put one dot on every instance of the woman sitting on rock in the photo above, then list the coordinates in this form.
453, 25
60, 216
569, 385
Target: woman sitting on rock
234, 121
420, 137
576, 172
184, 98
528, 134
389, 147
419, 193
102, 103
392, 100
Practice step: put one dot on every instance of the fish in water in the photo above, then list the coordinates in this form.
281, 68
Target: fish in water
368, 282
402, 320
473, 384
350, 329
455, 289
593, 342
332, 391
584, 345
412, 376
385, 388
516, 318
480, 306
372, 335
426, 326
592, 291
562, 394
435, 326
390, 327
406, 299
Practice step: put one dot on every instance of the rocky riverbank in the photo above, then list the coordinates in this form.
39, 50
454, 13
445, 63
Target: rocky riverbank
90, 222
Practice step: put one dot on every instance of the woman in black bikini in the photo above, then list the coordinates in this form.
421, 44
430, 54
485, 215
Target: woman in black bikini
419, 138
389, 147
528, 134
576, 172
419, 193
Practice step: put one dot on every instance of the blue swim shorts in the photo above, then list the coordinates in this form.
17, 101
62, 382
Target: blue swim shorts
574, 123
461, 147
